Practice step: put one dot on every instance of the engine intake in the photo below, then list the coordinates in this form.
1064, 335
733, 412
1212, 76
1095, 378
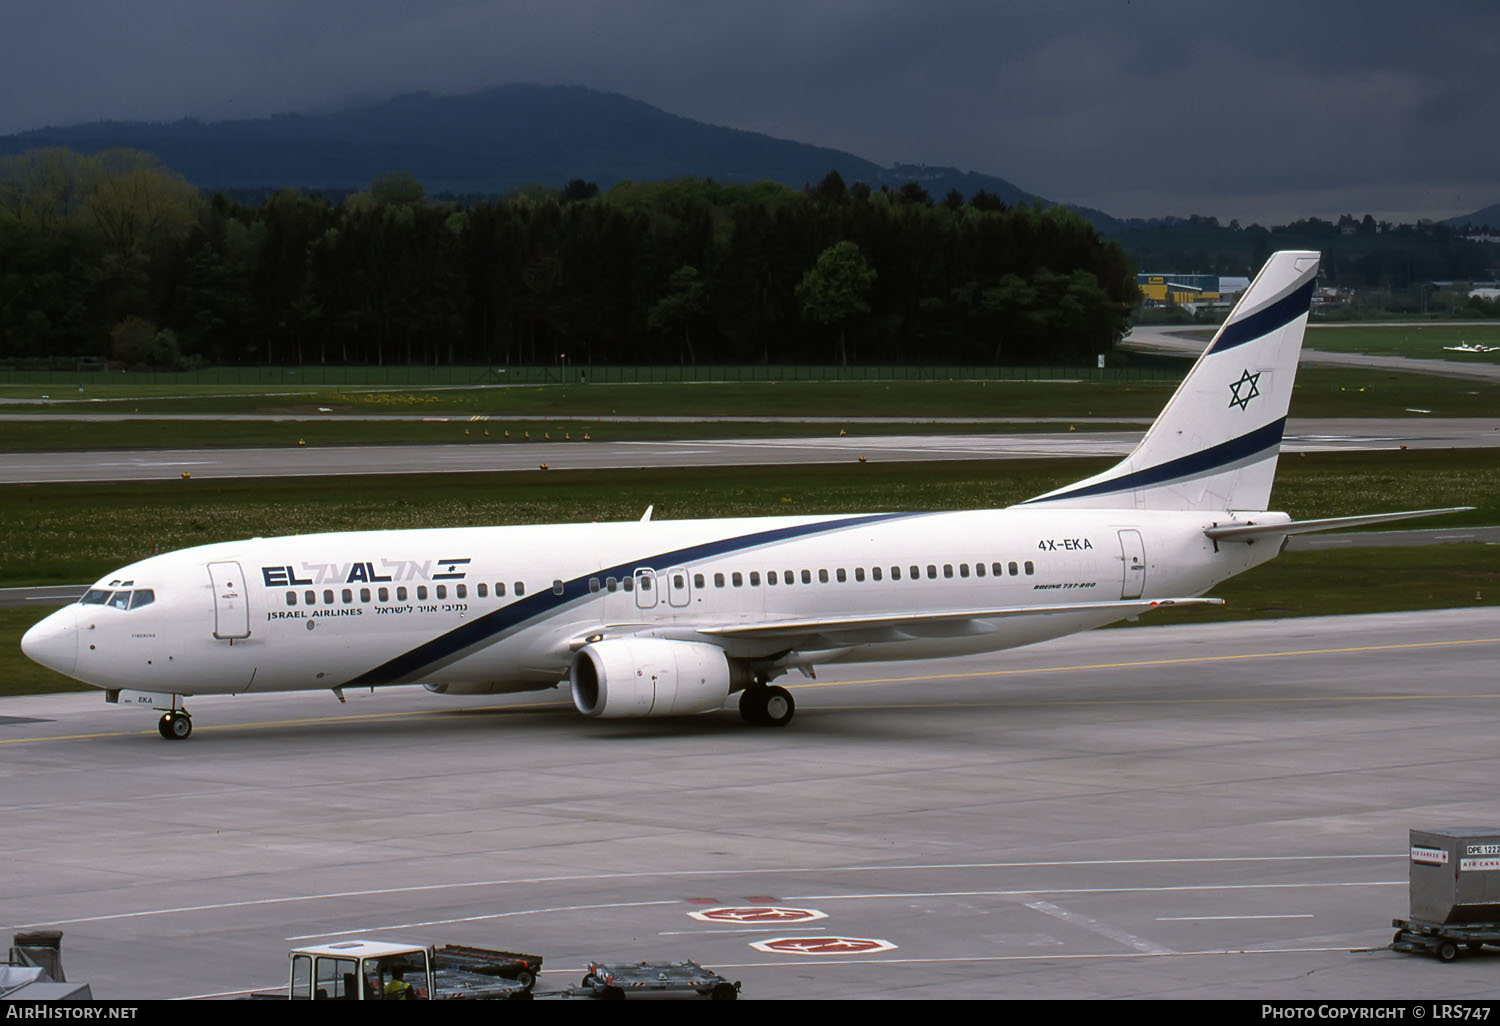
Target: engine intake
625, 677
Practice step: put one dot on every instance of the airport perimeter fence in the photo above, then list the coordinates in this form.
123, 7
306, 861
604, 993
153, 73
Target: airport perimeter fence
397, 376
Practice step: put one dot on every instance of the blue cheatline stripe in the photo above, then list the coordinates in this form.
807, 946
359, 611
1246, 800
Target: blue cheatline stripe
1278, 315
492, 625
1197, 464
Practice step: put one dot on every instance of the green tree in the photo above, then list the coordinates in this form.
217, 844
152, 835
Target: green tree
685, 303
833, 290
397, 188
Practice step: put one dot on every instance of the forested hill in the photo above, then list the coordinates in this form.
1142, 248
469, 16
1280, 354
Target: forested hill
488, 143
120, 258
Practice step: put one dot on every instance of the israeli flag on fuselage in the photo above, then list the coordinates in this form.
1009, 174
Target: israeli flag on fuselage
1214, 446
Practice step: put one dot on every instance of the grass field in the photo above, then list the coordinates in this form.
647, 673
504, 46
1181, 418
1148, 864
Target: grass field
52, 435
68, 533
59, 382
576, 410
1423, 341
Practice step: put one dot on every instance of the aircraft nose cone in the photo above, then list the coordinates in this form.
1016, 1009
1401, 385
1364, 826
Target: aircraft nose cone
54, 642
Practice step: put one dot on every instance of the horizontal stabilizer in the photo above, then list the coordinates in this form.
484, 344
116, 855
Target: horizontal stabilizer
897, 621
1245, 532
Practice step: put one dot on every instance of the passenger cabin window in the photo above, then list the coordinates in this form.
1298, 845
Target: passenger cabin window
1030, 568
520, 589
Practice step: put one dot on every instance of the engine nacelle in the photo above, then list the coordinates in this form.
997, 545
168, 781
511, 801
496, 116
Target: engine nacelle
649, 677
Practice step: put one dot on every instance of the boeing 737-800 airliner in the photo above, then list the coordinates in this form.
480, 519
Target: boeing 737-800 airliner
655, 618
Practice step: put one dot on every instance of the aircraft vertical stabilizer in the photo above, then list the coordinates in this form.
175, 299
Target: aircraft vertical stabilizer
1215, 445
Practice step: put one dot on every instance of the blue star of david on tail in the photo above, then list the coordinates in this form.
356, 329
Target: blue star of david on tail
1240, 399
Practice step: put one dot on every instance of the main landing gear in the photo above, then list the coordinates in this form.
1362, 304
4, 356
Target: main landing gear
175, 724
765, 705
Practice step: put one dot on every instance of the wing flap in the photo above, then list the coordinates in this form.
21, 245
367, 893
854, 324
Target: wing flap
898, 621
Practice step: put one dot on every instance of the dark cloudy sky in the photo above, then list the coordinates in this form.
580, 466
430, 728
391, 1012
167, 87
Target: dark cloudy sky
1262, 110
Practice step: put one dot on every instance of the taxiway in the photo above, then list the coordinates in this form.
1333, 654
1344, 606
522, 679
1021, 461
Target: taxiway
1308, 435
1214, 811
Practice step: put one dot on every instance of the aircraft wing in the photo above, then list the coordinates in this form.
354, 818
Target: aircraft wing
859, 629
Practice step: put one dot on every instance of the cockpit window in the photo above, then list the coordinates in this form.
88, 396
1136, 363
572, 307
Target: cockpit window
118, 599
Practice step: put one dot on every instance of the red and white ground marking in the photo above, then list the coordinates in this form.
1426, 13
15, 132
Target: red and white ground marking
823, 946
759, 914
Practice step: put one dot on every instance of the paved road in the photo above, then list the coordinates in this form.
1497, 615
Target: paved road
1178, 812
1303, 435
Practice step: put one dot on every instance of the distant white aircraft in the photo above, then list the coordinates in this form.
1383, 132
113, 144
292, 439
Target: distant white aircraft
662, 618
1471, 347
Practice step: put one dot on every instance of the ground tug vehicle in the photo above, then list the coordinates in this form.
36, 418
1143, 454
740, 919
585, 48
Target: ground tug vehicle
369, 970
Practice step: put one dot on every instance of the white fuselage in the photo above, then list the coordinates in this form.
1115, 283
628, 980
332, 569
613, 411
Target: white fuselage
491, 609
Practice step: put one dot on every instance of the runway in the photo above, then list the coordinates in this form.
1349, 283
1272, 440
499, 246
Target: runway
1307, 435
1216, 811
